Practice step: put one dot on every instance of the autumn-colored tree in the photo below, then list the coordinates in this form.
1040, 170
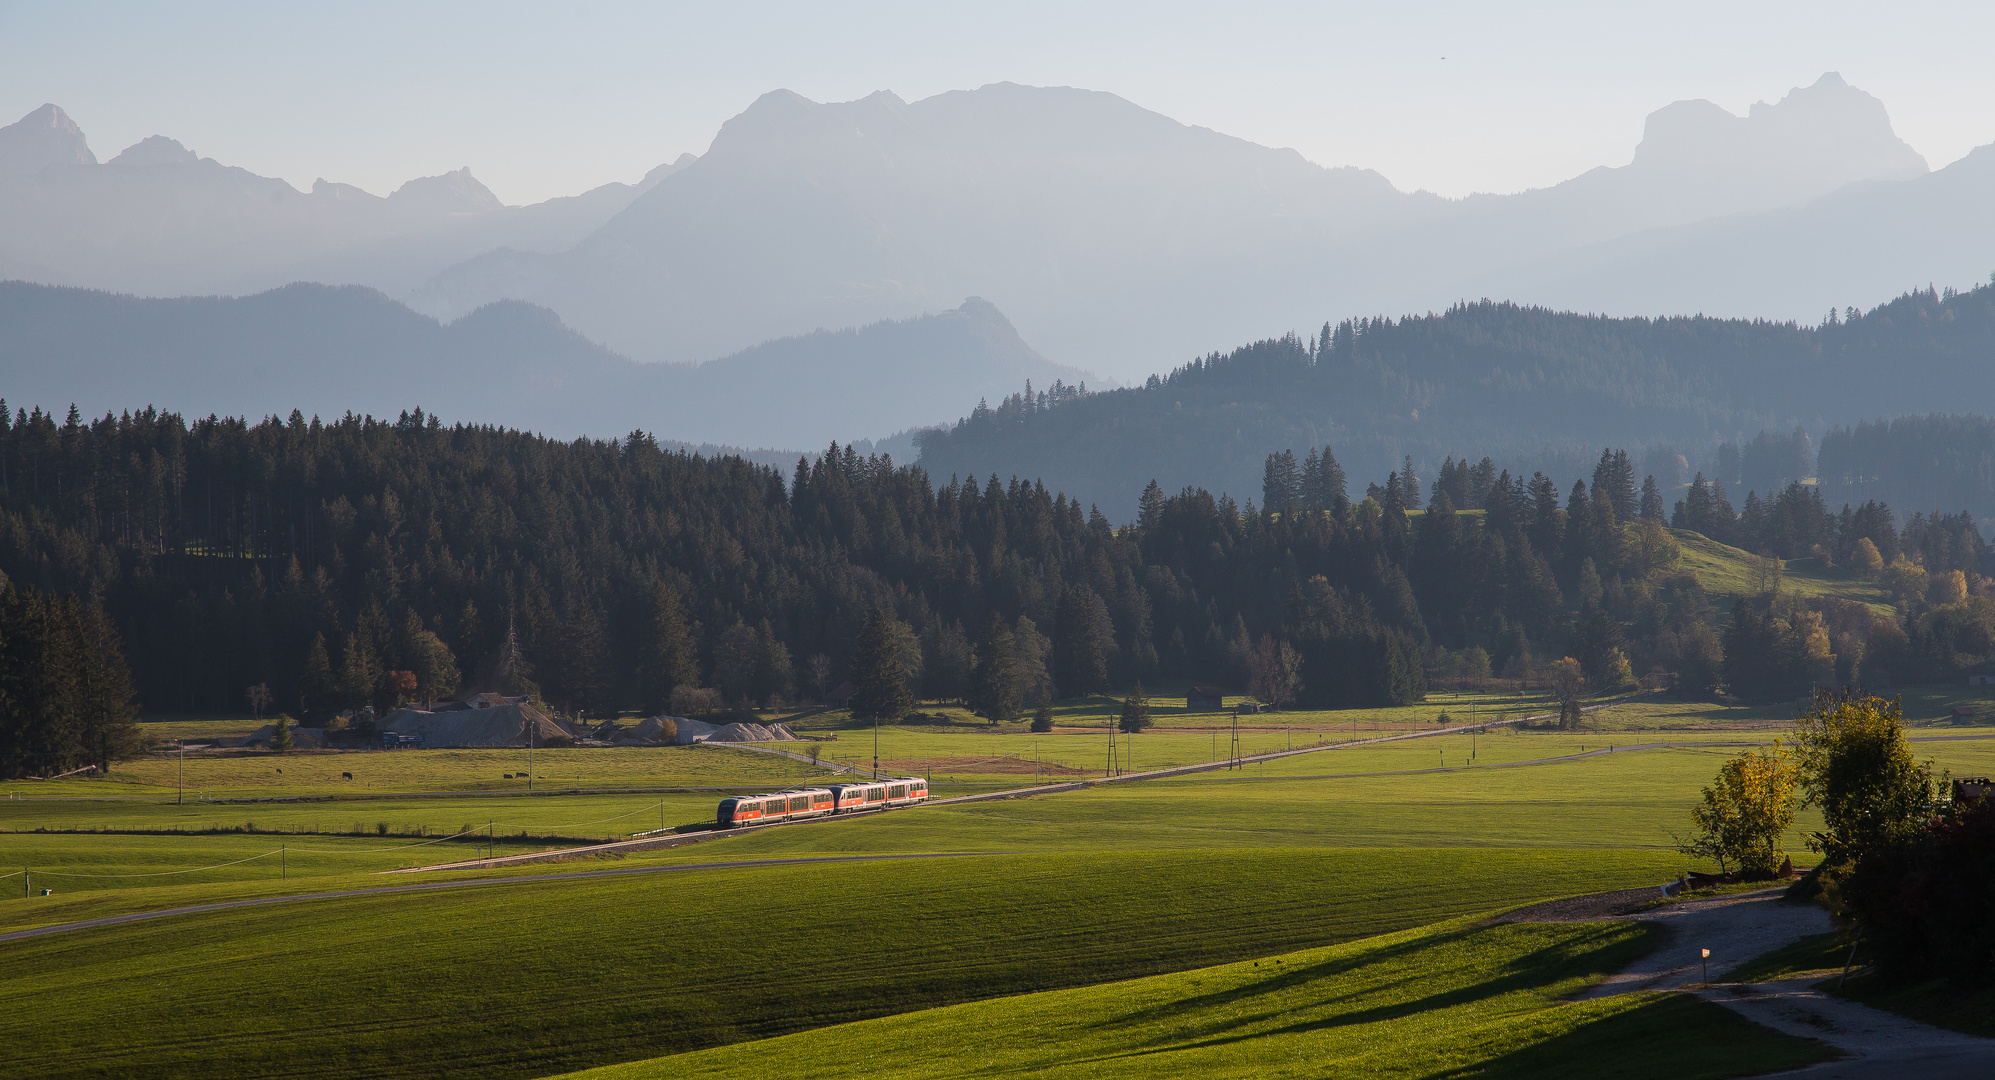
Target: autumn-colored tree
1568, 684
1744, 815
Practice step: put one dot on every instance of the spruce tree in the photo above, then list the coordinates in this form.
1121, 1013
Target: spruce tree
879, 675
994, 688
111, 729
1081, 640
318, 691
1651, 508
1135, 711
665, 654
1150, 508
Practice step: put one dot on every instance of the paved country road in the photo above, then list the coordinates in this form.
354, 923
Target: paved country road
141, 916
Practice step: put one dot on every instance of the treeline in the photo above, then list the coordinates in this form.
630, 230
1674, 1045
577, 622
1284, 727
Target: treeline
367, 562
65, 694
1537, 388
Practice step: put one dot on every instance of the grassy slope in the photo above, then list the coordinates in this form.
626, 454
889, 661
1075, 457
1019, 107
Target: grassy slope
525, 980
1725, 570
1453, 1001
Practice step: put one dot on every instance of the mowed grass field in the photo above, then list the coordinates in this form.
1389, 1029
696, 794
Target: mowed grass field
1454, 1000
319, 773
534, 978
1052, 892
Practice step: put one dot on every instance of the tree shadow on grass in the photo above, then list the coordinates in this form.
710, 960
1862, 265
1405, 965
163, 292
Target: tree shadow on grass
1667, 1037
1592, 951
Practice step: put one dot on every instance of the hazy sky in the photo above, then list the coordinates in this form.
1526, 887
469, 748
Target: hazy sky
551, 99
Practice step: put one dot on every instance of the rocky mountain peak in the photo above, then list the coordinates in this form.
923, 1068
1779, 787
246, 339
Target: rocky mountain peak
156, 150
40, 139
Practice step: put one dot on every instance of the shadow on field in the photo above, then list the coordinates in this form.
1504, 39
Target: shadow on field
1689, 1038
1606, 949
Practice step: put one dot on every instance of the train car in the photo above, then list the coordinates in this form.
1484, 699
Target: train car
880, 794
794, 804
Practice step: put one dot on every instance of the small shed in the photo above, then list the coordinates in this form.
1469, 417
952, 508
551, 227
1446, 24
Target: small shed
1973, 789
1205, 699
841, 696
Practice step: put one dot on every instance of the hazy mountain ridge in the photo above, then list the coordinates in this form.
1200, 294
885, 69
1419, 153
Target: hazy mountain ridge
804, 214
1488, 378
160, 219
335, 349
1122, 239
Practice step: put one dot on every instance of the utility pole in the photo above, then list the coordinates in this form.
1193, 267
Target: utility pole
530, 725
179, 757
876, 746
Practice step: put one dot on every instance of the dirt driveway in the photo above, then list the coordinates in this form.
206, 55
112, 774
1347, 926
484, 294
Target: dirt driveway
1877, 1045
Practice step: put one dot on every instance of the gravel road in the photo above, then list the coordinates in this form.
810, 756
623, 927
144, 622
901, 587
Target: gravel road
1876, 1045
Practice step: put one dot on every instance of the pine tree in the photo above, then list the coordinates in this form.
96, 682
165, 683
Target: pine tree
1651, 508
1281, 483
665, 651
1135, 711
111, 729
1323, 484
1150, 508
318, 691
1614, 478
994, 690
359, 673
879, 675
514, 671
1081, 640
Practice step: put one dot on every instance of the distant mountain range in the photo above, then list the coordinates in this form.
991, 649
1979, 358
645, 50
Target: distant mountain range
333, 349
1119, 241
159, 219
1126, 243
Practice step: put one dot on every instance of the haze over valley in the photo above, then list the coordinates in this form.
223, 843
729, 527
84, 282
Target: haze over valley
1084, 541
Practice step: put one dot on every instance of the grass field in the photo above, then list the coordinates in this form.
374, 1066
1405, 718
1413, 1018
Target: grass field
1055, 893
1725, 571
529, 979
1452, 1001
317, 773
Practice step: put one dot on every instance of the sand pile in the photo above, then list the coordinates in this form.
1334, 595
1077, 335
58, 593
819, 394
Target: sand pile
500, 725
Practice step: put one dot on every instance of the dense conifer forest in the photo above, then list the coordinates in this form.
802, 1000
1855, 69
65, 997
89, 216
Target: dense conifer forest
1540, 389
369, 562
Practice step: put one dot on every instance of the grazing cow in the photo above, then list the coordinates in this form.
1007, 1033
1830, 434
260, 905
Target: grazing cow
508, 776
280, 772
346, 776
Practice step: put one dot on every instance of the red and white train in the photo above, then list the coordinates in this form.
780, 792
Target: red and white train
800, 803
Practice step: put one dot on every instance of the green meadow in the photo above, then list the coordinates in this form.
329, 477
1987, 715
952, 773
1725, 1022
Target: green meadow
540, 977
1107, 930
1453, 1000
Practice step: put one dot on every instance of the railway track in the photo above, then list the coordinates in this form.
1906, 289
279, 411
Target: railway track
656, 843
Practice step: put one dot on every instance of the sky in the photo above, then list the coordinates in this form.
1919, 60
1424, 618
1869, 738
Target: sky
550, 99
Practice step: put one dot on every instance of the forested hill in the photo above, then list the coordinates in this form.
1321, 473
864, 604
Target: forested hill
367, 562
1532, 387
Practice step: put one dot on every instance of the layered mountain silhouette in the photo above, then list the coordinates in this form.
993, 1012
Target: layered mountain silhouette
161, 220
334, 349
1119, 241
1124, 241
